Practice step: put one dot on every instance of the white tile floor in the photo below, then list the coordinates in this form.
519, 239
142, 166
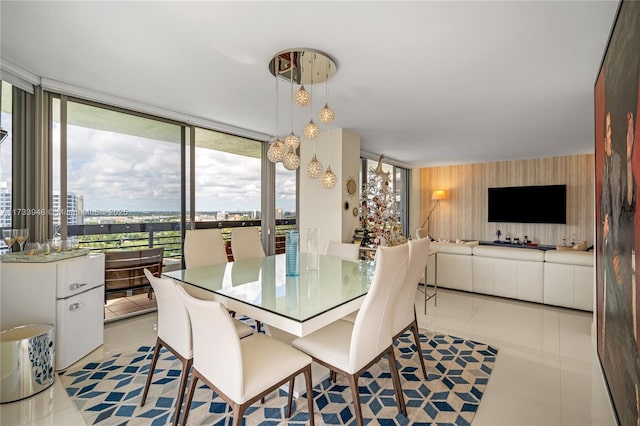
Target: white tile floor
546, 372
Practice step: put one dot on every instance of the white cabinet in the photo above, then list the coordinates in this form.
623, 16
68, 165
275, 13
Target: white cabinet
508, 272
568, 279
69, 294
454, 265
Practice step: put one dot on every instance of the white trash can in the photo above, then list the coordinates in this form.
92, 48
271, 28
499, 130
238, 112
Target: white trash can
27, 360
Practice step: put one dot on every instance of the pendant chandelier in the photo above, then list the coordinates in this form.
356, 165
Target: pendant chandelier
314, 168
276, 151
311, 130
326, 114
291, 160
329, 179
303, 67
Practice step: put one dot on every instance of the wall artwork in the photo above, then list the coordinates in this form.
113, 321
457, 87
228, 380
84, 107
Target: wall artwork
617, 136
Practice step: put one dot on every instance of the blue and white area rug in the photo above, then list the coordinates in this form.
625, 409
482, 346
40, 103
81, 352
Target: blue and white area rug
109, 392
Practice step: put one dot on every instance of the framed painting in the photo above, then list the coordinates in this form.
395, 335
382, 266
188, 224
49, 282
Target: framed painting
617, 162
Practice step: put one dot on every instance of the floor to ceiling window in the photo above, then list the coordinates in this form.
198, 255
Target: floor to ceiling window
285, 193
398, 184
228, 182
122, 179
227, 177
6, 117
121, 169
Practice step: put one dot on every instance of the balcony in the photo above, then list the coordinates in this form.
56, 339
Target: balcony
136, 236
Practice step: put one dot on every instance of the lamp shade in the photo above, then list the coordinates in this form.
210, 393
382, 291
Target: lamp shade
439, 194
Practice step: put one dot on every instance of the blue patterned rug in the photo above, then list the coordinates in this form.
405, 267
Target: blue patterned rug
109, 392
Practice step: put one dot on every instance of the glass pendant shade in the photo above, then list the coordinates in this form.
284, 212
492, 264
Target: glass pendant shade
311, 130
275, 154
327, 115
302, 97
291, 161
329, 179
291, 142
314, 168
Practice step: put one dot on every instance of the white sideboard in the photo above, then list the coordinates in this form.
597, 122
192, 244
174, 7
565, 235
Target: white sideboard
509, 272
69, 294
568, 279
561, 278
454, 265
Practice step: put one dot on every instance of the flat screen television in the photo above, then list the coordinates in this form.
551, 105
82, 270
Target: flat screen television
528, 204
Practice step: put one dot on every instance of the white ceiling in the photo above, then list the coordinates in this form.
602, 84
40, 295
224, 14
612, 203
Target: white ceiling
424, 83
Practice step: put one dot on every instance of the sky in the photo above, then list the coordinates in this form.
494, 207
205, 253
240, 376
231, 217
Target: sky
121, 172
113, 171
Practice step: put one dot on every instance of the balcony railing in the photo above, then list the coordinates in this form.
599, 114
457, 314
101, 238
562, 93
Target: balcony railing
135, 236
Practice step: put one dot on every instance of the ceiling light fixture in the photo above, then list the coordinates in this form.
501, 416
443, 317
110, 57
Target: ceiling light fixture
326, 114
298, 66
302, 97
291, 142
314, 168
311, 130
291, 160
329, 179
276, 151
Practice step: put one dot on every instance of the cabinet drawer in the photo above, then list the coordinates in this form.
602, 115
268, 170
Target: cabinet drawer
79, 274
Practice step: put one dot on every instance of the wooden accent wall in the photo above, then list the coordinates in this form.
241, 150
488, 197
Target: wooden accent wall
464, 213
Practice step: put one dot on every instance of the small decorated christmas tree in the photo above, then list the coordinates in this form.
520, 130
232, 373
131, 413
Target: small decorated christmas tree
378, 215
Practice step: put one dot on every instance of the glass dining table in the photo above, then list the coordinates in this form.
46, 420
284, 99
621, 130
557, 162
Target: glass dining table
299, 305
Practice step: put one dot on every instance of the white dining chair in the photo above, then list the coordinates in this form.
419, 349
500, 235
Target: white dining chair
351, 348
343, 250
404, 312
246, 244
174, 333
240, 371
204, 247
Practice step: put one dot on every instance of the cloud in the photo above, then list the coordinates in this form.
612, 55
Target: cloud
116, 171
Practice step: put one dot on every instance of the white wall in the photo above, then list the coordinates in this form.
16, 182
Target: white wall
324, 208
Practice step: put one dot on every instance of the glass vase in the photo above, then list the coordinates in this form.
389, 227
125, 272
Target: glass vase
292, 250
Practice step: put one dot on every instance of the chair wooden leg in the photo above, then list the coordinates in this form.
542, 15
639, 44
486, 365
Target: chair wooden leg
258, 326
290, 397
187, 404
156, 355
353, 384
333, 376
309, 383
416, 336
402, 408
186, 366
238, 414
